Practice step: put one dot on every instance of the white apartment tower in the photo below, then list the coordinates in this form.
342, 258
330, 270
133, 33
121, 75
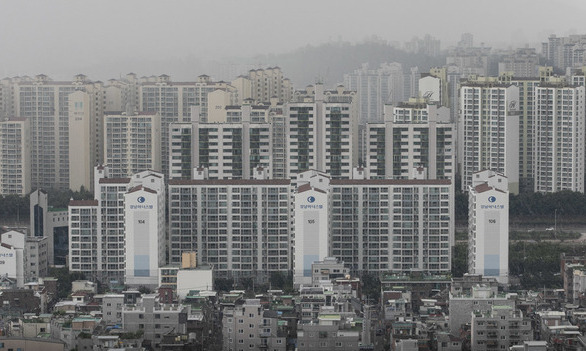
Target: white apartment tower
132, 143
414, 134
373, 225
269, 83
489, 120
375, 88
45, 103
241, 227
311, 224
382, 225
488, 225
322, 132
101, 226
234, 148
144, 223
246, 137
86, 137
173, 102
559, 126
15, 162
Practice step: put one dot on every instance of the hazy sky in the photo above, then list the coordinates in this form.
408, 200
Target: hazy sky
64, 36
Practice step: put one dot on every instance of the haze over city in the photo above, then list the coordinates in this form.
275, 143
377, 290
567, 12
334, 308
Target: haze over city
293, 175
104, 39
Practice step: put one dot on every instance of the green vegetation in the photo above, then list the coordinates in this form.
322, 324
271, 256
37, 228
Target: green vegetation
460, 259
64, 280
536, 208
543, 235
537, 264
131, 335
15, 207
371, 286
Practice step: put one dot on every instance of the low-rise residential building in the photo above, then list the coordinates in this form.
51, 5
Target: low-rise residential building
331, 332
501, 326
154, 319
248, 326
481, 299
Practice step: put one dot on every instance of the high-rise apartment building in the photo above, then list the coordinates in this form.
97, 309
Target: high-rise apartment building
311, 214
240, 227
99, 232
15, 162
230, 148
564, 52
373, 225
132, 143
45, 103
145, 231
269, 83
522, 63
86, 136
488, 225
414, 134
489, 127
375, 88
559, 127
323, 129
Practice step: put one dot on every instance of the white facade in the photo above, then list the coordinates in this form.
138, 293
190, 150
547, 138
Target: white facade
85, 140
559, 131
15, 161
382, 225
240, 227
414, 134
173, 102
144, 223
193, 279
489, 123
311, 224
488, 226
97, 228
323, 132
45, 103
132, 143
375, 88
85, 239
430, 88
12, 257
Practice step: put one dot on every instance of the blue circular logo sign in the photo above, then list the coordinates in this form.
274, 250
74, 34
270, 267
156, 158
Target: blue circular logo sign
140, 199
311, 199
491, 199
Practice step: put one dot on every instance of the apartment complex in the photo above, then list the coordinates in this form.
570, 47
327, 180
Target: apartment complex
15, 162
132, 143
247, 325
488, 226
105, 231
559, 126
262, 85
240, 227
375, 88
489, 130
500, 328
45, 103
414, 134
373, 225
323, 131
